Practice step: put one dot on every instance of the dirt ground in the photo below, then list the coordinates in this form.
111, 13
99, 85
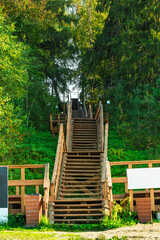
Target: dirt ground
139, 231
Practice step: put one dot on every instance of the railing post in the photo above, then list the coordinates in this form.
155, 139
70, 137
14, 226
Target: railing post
69, 119
22, 191
46, 186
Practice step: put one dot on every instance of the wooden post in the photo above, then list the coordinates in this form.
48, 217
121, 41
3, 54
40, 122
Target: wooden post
17, 190
130, 165
102, 127
126, 188
152, 199
22, 191
131, 199
150, 165
37, 189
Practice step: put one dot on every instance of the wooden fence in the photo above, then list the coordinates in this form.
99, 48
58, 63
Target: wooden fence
130, 164
61, 147
23, 182
56, 120
99, 118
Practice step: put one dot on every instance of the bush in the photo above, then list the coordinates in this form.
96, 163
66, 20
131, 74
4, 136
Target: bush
16, 220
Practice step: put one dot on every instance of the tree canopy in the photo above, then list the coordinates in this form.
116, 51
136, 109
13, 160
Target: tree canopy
109, 49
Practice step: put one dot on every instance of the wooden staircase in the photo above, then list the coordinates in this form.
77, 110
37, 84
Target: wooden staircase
84, 136
80, 191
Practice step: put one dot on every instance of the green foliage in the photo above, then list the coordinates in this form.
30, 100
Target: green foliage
13, 61
10, 126
16, 221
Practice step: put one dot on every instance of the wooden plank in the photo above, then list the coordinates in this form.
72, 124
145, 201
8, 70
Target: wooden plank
37, 189
79, 210
78, 215
46, 176
23, 183
22, 191
69, 206
134, 162
152, 199
76, 220
24, 166
79, 200
17, 190
119, 180
131, 199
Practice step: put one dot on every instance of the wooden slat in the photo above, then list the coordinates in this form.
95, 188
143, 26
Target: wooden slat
22, 190
24, 166
134, 162
25, 182
119, 180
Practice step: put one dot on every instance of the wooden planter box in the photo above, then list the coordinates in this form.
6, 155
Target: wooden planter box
143, 206
33, 206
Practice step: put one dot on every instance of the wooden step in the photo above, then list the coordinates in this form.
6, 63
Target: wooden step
89, 153
81, 164
81, 144
80, 174
66, 167
83, 147
84, 125
78, 182
92, 157
79, 200
79, 205
73, 186
83, 171
81, 178
84, 140
78, 215
79, 210
81, 191
83, 120
76, 220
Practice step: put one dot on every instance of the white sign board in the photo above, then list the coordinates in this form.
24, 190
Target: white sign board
140, 178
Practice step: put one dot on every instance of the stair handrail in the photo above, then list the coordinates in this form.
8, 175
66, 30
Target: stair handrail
69, 129
99, 118
61, 147
90, 114
46, 187
106, 172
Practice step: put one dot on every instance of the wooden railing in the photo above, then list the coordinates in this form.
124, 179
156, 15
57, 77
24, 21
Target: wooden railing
33, 182
106, 173
90, 114
56, 120
100, 127
69, 126
123, 180
61, 147
46, 187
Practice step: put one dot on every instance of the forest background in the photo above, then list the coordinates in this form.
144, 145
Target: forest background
108, 49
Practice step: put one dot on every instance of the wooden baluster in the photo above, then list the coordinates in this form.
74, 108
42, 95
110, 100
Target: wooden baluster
152, 199
130, 192
131, 199
130, 165
37, 189
126, 184
17, 190
59, 120
152, 193
22, 191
